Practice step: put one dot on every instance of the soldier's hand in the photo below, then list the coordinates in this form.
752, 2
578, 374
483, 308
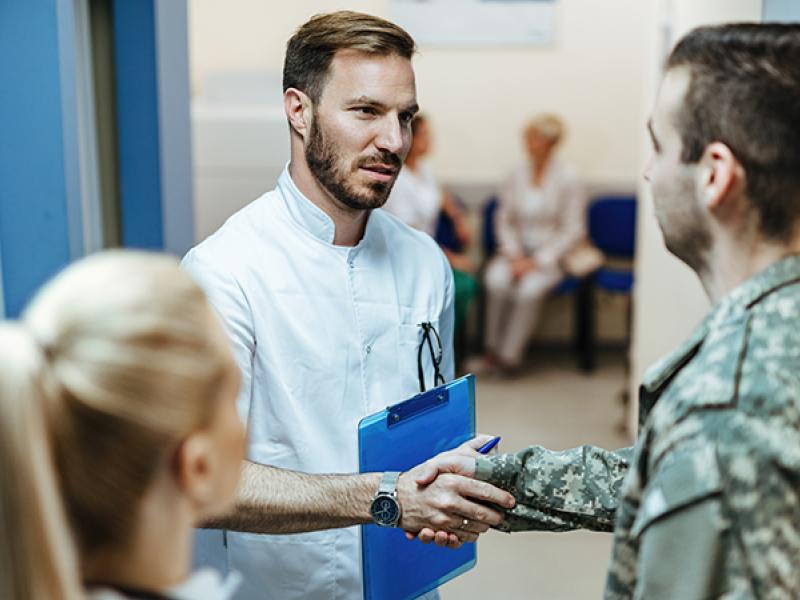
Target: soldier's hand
448, 504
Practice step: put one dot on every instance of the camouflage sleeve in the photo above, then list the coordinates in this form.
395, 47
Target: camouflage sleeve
559, 490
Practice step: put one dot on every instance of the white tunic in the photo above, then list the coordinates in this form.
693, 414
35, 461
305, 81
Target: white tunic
416, 199
324, 335
205, 584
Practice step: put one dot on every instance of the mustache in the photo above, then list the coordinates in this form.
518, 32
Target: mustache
384, 158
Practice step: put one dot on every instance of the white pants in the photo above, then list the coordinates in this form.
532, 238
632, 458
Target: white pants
513, 307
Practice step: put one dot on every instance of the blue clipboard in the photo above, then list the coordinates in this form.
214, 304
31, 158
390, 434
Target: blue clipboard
396, 439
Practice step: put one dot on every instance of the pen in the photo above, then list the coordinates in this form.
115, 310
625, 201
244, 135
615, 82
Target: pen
489, 445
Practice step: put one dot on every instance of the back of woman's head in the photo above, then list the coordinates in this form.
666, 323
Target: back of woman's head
125, 362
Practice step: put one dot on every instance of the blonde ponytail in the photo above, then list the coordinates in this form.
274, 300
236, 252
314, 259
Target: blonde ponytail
116, 362
37, 559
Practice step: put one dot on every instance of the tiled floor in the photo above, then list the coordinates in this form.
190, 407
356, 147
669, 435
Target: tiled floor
556, 406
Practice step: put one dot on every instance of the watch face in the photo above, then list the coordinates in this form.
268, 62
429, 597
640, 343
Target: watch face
385, 510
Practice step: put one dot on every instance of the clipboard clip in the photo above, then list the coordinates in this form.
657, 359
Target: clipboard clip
421, 403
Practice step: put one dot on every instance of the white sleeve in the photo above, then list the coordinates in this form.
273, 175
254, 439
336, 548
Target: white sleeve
227, 298
401, 202
429, 200
446, 324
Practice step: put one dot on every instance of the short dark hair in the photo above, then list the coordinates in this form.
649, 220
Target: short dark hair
744, 91
311, 49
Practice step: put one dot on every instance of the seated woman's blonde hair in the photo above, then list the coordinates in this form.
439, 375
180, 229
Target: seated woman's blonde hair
110, 367
548, 126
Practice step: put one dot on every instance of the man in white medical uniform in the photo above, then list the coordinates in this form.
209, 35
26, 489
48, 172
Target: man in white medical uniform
327, 302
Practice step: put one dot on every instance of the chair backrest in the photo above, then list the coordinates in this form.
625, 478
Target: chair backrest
488, 238
612, 225
446, 234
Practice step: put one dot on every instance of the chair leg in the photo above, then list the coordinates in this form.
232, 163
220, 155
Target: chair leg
584, 325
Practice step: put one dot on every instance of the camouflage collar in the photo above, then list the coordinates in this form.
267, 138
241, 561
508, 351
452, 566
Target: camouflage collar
731, 308
662, 370
752, 291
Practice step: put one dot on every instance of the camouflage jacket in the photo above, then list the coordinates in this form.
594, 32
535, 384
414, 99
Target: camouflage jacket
710, 505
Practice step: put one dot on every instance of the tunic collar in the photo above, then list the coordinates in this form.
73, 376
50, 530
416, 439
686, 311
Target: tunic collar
310, 217
303, 211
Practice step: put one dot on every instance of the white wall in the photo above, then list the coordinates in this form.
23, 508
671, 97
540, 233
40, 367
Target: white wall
478, 98
602, 75
668, 298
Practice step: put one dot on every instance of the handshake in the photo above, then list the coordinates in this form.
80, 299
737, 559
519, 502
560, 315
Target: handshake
442, 502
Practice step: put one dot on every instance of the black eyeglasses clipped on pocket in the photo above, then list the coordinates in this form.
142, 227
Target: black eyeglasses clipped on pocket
429, 334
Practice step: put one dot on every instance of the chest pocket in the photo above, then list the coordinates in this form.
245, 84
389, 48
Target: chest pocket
410, 338
681, 530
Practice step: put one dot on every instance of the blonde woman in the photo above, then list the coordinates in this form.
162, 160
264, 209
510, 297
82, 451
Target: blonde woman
117, 403
540, 218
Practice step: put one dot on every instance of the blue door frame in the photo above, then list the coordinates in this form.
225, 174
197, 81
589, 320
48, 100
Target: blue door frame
40, 212
41, 219
153, 124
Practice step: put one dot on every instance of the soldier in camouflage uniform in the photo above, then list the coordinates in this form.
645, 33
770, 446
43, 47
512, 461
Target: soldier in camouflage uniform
707, 504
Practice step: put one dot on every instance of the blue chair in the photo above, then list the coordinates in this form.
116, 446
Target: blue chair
446, 234
488, 239
612, 228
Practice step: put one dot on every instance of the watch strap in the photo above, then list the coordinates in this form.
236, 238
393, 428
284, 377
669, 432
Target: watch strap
388, 484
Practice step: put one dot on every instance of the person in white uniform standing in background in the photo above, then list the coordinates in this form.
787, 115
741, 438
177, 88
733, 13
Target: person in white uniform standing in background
540, 218
325, 301
418, 200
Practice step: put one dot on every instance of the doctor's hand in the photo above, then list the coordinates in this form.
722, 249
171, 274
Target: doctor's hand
442, 503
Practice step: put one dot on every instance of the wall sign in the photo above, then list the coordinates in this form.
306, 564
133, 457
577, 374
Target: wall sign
477, 22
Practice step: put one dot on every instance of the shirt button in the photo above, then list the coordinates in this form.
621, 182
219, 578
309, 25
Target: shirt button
367, 348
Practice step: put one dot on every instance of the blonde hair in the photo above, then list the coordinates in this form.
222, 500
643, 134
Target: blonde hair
37, 559
122, 365
548, 126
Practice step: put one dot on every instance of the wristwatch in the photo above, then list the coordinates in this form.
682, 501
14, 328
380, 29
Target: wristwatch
385, 509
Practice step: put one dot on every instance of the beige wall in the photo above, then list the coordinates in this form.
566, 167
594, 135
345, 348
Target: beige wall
602, 74
478, 98
668, 299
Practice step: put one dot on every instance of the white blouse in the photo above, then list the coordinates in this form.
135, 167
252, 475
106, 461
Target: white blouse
544, 222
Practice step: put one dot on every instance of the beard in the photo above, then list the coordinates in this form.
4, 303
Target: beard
683, 224
336, 178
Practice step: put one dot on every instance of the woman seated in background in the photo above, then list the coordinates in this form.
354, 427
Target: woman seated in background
118, 433
418, 200
540, 218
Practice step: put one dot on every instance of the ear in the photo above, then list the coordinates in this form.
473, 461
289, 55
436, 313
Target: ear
194, 470
299, 111
721, 175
